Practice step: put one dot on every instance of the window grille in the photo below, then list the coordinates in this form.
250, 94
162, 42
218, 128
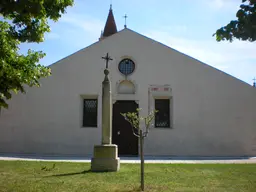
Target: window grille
90, 113
162, 118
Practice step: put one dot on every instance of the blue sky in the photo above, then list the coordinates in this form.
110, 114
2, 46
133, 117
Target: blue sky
185, 25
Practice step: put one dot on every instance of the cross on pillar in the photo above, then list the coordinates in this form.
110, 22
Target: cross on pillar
125, 17
107, 58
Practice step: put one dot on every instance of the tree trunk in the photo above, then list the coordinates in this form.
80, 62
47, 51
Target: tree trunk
141, 161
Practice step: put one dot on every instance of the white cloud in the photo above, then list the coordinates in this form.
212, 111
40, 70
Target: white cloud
223, 4
218, 3
90, 25
79, 30
51, 35
175, 28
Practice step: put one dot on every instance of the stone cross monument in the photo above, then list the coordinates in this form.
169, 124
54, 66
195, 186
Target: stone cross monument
105, 157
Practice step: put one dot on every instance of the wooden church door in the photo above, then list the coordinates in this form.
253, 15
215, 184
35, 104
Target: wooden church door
122, 134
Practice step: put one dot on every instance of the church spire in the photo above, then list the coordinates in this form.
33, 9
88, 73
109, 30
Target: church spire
110, 26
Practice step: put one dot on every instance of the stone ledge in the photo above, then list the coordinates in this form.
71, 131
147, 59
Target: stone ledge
105, 164
105, 151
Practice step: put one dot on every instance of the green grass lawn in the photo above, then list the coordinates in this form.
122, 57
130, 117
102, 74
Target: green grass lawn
28, 176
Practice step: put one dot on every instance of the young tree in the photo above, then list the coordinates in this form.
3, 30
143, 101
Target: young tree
24, 21
244, 28
135, 120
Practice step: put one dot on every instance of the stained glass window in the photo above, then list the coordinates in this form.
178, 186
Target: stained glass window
126, 66
90, 113
162, 118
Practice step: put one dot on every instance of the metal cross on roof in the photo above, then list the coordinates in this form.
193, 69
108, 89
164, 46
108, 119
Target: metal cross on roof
107, 58
125, 17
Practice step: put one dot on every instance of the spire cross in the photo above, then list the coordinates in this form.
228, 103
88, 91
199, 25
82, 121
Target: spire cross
107, 58
125, 17
110, 4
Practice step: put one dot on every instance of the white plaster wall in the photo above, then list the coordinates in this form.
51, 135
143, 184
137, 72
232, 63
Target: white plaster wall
213, 113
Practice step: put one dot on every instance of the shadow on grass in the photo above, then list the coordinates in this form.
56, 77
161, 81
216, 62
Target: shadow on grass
147, 188
77, 173
70, 174
128, 190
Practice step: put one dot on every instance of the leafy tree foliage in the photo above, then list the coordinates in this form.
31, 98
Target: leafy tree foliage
135, 120
24, 21
244, 28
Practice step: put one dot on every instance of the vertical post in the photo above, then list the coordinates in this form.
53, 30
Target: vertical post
142, 161
125, 17
106, 106
106, 110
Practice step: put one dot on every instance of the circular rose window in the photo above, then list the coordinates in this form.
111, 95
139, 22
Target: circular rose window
126, 66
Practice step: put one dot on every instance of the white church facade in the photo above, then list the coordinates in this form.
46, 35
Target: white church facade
202, 111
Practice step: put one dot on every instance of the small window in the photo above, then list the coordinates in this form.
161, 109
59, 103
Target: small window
90, 113
126, 66
162, 118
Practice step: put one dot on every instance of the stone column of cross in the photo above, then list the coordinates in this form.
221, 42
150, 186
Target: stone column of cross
106, 106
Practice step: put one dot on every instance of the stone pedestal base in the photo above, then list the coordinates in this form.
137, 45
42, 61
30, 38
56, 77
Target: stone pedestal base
105, 158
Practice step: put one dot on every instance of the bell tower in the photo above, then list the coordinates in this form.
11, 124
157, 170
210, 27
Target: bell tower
110, 26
